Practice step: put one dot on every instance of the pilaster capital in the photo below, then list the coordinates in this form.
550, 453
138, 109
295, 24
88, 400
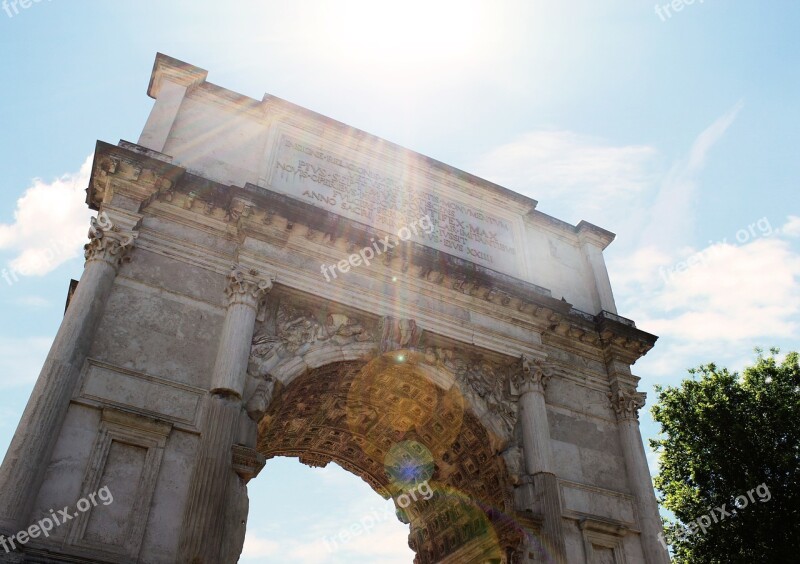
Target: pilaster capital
532, 375
107, 242
626, 402
246, 286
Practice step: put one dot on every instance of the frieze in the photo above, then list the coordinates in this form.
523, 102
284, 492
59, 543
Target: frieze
293, 330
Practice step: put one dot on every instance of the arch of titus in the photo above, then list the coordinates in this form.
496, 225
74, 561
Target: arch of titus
458, 337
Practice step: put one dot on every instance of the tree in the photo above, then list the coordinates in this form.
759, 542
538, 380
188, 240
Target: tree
724, 436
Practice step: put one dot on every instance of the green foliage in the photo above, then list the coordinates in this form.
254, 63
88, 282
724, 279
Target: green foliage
721, 436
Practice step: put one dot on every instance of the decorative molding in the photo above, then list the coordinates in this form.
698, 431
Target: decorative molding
616, 508
247, 462
605, 535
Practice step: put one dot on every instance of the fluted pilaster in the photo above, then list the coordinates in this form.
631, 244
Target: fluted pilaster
207, 504
529, 384
626, 402
202, 538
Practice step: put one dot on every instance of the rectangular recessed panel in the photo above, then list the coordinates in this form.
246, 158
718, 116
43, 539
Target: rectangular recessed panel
108, 524
597, 502
146, 394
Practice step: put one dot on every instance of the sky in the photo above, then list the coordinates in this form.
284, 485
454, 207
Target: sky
678, 130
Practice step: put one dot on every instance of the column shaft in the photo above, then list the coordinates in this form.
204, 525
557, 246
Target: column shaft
529, 384
642, 486
207, 502
230, 366
539, 464
627, 402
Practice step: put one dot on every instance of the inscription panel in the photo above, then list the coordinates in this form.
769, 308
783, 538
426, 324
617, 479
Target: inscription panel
390, 197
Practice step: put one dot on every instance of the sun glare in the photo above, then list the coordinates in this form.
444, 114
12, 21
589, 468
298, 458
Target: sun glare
411, 31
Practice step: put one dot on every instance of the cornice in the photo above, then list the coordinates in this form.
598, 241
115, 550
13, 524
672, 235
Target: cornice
168, 68
137, 176
237, 213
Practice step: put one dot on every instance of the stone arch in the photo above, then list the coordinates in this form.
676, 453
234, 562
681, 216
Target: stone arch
387, 420
298, 335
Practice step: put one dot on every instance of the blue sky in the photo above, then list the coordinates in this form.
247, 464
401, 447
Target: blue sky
680, 134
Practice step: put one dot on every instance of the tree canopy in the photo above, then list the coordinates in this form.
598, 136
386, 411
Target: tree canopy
724, 436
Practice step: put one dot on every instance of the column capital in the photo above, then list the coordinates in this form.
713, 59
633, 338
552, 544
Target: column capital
532, 375
626, 402
246, 286
107, 242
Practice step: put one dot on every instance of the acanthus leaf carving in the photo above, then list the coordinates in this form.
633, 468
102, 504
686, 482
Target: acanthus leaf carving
107, 242
246, 286
532, 375
626, 402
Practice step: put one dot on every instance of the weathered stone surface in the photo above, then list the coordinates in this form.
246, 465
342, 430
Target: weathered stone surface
499, 370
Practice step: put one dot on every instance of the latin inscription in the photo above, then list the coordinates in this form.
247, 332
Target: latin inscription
364, 194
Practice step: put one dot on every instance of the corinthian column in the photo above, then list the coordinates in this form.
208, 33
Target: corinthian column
28, 456
626, 402
201, 538
529, 384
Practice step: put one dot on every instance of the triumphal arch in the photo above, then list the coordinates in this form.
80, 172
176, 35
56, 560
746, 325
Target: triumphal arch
264, 281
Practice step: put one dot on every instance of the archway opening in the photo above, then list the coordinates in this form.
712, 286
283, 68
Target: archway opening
411, 437
322, 516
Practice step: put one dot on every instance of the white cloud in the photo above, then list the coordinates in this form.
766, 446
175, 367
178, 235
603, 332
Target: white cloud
572, 174
257, 547
741, 293
21, 359
737, 293
50, 223
792, 226
672, 213
366, 532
